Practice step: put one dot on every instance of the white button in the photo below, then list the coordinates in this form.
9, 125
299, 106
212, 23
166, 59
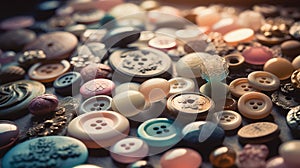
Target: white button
180, 84
263, 80
240, 86
228, 120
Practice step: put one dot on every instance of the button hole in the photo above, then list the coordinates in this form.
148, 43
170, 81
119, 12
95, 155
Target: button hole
127, 148
103, 124
228, 120
261, 81
264, 78
251, 103
163, 126
95, 104
250, 87
246, 90
93, 109
155, 128
288, 98
243, 86
93, 125
166, 130
98, 128
102, 104
99, 121
255, 107
131, 144
158, 132
123, 145
259, 103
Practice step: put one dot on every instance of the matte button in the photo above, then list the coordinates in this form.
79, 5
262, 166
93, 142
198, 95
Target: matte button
253, 156
181, 85
289, 151
9, 134
238, 36
43, 105
97, 87
228, 120
126, 86
263, 80
159, 132
68, 83
163, 43
223, 157
280, 67
295, 78
16, 39
129, 150
290, 48
99, 129
234, 61
240, 86
17, 22
296, 62
155, 89
96, 103
276, 162
257, 55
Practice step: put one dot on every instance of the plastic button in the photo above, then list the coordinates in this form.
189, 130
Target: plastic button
234, 61
129, 150
240, 86
180, 85
289, 151
263, 80
257, 55
238, 36
159, 132
155, 89
9, 134
255, 105
228, 120
68, 84
97, 87
99, 129
96, 103
280, 67
223, 157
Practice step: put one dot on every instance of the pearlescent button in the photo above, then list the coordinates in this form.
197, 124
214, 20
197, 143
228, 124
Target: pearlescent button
257, 55
155, 89
9, 134
99, 129
238, 36
290, 152
97, 87
296, 62
181, 157
276, 162
240, 86
280, 67
228, 120
96, 103
223, 157
181, 85
126, 87
129, 150
263, 80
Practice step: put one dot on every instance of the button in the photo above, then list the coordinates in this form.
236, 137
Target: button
195, 46
126, 86
187, 34
51, 151
140, 163
181, 85
290, 48
215, 89
234, 61
16, 39
7, 56
30, 57
239, 36
176, 54
163, 43
129, 103
253, 156
146, 36
43, 105
188, 66
293, 119
149, 5
99, 129
56, 45
295, 30
56, 23
267, 10
280, 67
17, 22
159, 132
228, 120
207, 17
9, 134
286, 101
181, 157
289, 151
251, 19
96, 103
129, 150
223, 157
48, 72
97, 87
295, 78
76, 29
119, 10
155, 89
88, 16
225, 25
296, 62
68, 83
257, 55
263, 80
230, 104
240, 86
258, 132
11, 73
276, 162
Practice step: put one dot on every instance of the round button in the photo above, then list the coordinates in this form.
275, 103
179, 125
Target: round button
234, 61
9, 134
43, 105
228, 120
159, 132
276, 162
290, 48
181, 157
96, 103
296, 62
126, 86
97, 87
293, 119
99, 129
223, 157
253, 156
295, 78
251, 19
238, 36
129, 150
295, 30
68, 83
257, 55
28, 58
240, 86
16, 39
181, 85
155, 89
255, 105
95, 71
48, 72
289, 151
263, 80
163, 43
280, 67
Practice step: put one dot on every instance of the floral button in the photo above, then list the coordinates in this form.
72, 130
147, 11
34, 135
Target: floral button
97, 87
96, 103
263, 80
68, 83
181, 84
228, 120
99, 129
240, 86
255, 105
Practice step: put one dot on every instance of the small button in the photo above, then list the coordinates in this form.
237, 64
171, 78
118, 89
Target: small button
163, 43
43, 105
295, 78
126, 87
276, 162
129, 150
99, 129
253, 156
228, 120
289, 151
155, 89
96, 103
9, 134
238, 36
263, 80
68, 83
159, 132
222, 157
296, 62
234, 61
257, 55
140, 163
181, 157
255, 105
240, 86
180, 85
295, 30
97, 87
280, 67
293, 119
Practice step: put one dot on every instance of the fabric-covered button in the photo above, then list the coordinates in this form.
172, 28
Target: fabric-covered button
9, 134
289, 151
129, 150
280, 67
257, 55
238, 36
223, 157
99, 129
68, 83
240, 86
159, 132
276, 162
97, 87
96, 103
234, 61
253, 156
228, 120
155, 89
263, 80
295, 78
43, 105
181, 85
181, 157
163, 43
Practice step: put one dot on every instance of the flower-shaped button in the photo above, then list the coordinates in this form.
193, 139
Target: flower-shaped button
129, 150
180, 84
240, 86
159, 132
96, 103
99, 129
68, 83
97, 87
263, 80
228, 120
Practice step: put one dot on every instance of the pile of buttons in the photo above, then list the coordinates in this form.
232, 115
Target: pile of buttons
107, 83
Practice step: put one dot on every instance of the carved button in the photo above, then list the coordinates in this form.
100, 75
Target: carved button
263, 80
163, 43
253, 156
97, 87
257, 55
155, 89
68, 83
159, 132
129, 150
126, 86
239, 35
234, 61
99, 129
240, 86
96, 103
228, 120
295, 78
280, 67
9, 134
181, 85
293, 119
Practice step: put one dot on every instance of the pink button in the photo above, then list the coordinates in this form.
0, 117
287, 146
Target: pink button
257, 55
97, 87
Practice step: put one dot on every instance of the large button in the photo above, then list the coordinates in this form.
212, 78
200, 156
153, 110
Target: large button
289, 151
181, 85
155, 89
68, 83
159, 132
253, 156
96, 103
293, 119
129, 150
257, 55
238, 36
97, 87
9, 134
255, 105
99, 129
280, 67
228, 120
240, 86
263, 80
48, 72
51, 151
295, 78
16, 39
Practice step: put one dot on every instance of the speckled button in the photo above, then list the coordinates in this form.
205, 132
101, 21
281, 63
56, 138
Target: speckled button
238, 36
289, 151
99, 129
68, 84
129, 150
228, 120
257, 55
234, 61
163, 43
290, 48
155, 89
48, 72
159, 132
181, 85
51, 151
240, 86
9, 134
96, 103
11, 73
263, 80
280, 67
97, 87
253, 156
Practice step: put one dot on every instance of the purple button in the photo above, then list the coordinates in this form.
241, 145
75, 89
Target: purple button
97, 87
9, 133
257, 55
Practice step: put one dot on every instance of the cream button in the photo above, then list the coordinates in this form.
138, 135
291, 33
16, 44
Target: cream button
126, 86
280, 67
129, 150
228, 120
155, 89
296, 62
263, 80
99, 129
189, 66
238, 36
255, 105
96, 103
234, 61
180, 85
290, 151
240, 86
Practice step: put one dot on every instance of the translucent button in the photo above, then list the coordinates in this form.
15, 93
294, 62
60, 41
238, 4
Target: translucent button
257, 55
280, 67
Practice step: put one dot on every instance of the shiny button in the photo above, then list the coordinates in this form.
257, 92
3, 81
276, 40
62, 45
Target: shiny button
228, 120
276, 162
280, 67
68, 83
263, 80
155, 89
9, 134
296, 62
238, 36
289, 151
295, 78
96, 103
223, 157
99, 129
234, 61
240, 86
180, 85
159, 132
97, 87
257, 55
129, 150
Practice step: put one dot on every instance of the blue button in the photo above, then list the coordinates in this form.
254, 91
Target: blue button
68, 84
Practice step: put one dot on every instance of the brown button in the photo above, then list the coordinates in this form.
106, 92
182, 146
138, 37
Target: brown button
280, 67
234, 61
295, 78
228, 120
263, 80
230, 104
28, 58
56, 45
296, 62
240, 86
48, 72
16, 39
290, 48
11, 73
238, 36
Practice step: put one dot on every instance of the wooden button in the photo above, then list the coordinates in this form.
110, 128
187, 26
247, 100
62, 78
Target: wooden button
295, 78
9, 134
263, 80
280, 67
97, 87
195, 46
95, 71
228, 120
181, 85
238, 36
289, 151
240, 86
155, 89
